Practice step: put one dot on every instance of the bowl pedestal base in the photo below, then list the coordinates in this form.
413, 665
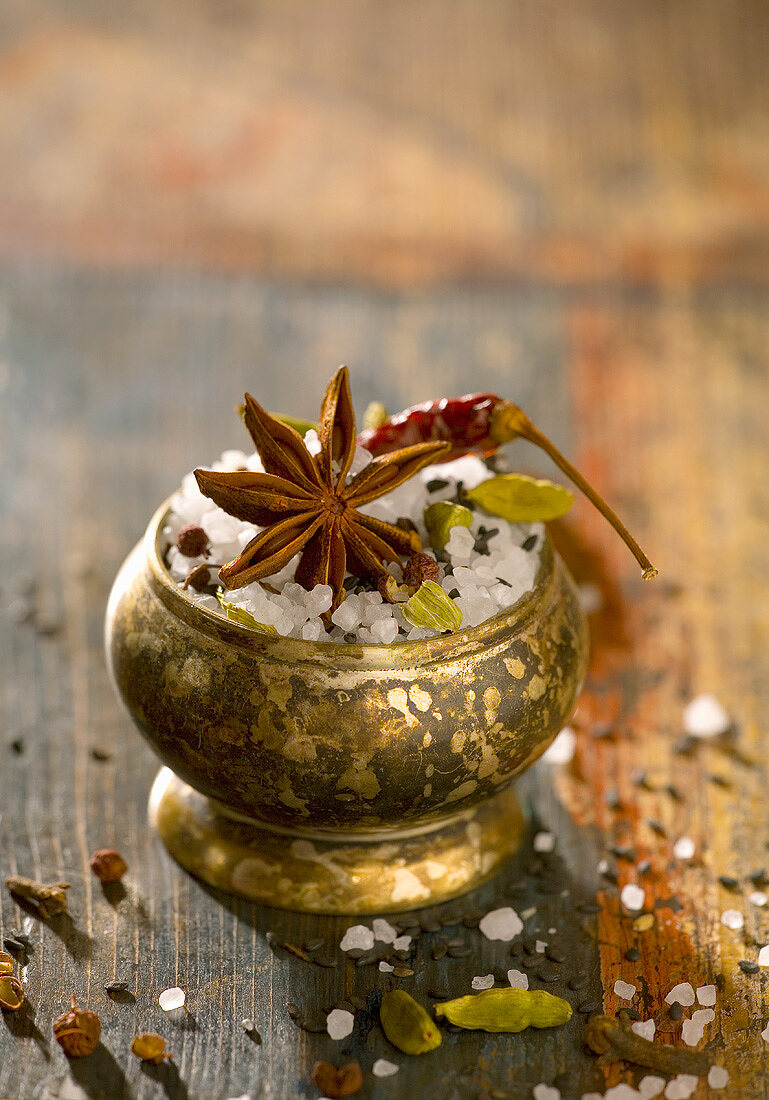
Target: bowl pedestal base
333, 872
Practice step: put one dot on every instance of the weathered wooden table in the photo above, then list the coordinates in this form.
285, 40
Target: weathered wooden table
563, 204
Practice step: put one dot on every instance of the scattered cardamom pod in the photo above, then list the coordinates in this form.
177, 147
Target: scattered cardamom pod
506, 1010
440, 517
430, 606
407, 1025
521, 499
50, 898
374, 416
240, 615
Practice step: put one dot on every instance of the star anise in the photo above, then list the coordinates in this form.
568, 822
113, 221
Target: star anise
306, 504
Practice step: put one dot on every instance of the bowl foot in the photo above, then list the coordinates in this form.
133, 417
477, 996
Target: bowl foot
317, 872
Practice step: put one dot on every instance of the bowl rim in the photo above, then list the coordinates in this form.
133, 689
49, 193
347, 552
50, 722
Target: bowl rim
496, 629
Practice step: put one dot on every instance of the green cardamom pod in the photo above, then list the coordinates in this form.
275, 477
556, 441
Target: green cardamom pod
407, 1025
521, 499
506, 1010
440, 517
301, 426
430, 606
374, 416
240, 615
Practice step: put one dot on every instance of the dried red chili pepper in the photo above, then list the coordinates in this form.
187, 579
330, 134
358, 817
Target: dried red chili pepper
479, 423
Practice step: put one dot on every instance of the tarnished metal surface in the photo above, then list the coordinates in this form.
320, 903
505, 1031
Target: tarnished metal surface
357, 738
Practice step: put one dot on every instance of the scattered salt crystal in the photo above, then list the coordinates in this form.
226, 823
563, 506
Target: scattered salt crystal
705, 717
644, 1028
517, 979
684, 848
402, 943
763, 956
624, 990
544, 842
384, 931
681, 1087
632, 896
339, 1023
386, 967
651, 1085
706, 995
590, 598
621, 1092
562, 749
733, 919
383, 1068
357, 938
485, 981
501, 924
691, 1032
703, 1016
539, 946
592, 1096
765, 1034
171, 999
718, 1077
758, 897
683, 993
545, 1092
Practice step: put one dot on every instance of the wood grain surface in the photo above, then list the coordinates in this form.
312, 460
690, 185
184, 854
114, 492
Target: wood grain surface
566, 204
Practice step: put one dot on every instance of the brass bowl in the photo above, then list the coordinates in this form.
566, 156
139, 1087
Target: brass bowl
340, 778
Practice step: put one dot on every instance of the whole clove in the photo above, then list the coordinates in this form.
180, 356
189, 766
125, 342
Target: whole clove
606, 1037
50, 898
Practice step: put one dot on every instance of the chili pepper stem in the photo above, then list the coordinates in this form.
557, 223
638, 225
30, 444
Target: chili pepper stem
511, 422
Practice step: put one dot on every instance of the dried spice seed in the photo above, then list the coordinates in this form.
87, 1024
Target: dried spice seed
316, 944
402, 972
555, 954
367, 959
150, 1048
623, 851
748, 967
759, 877
108, 865
729, 882
633, 954
407, 1025
293, 1010
607, 1038
458, 952
77, 1031
676, 1011
508, 1010
548, 974
656, 827
297, 952
116, 987
644, 867
50, 898
11, 993
436, 485
420, 568
192, 541
586, 1008
438, 950
328, 962
471, 918
12, 944
337, 1082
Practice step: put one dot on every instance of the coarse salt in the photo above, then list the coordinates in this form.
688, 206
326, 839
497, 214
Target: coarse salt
691, 1032
483, 981
339, 1023
632, 897
684, 848
683, 993
171, 999
705, 717
544, 842
758, 897
703, 1016
621, 1092
706, 995
718, 1077
545, 1092
733, 919
357, 938
501, 924
681, 1087
644, 1028
383, 1068
651, 1085
402, 943
765, 1034
384, 931
386, 967
624, 990
517, 979
763, 956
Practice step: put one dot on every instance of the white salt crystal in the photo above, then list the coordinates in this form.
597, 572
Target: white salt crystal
517, 979
171, 999
650, 1085
703, 1016
539, 946
347, 616
718, 1077
544, 842
562, 749
624, 990
312, 630
705, 717
545, 1092
384, 931
359, 938
681, 1087
733, 919
385, 630
590, 598
691, 1032
383, 1068
622, 1092
402, 943
339, 1023
758, 897
632, 897
765, 1034
706, 995
684, 848
592, 1096
763, 956
386, 967
483, 981
501, 924
683, 993
644, 1028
